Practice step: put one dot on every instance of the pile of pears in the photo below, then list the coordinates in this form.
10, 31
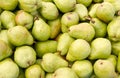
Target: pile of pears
59, 38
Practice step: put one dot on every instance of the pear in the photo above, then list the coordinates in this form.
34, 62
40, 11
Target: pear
98, 48
115, 48
19, 35
113, 30
118, 63
49, 46
64, 72
82, 11
27, 54
55, 26
78, 50
49, 11
70, 18
99, 26
64, 42
24, 19
65, 5
51, 62
82, 30
34, 71
8, 4
105, 12
7, 19
5, 50
104, 69
83, 68
21, 73
41, 30
30, 6
49, 75
8, 69
84, 2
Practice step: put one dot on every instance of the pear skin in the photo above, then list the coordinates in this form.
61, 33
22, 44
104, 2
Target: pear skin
86, 3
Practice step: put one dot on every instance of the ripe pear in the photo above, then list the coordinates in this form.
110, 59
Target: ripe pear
104, 69
82, 11
27, 54
78, 50
7, 19
34, 71
82, 30
64, 42
8, 69
19, 35
24, 19
8, 4
49, 11
64, 72
84, 2
65, 5
55, 26
99, 26
41, 30
5, 50
49, 46
100, 48
51, 62
105, 12
83, 68
30, 5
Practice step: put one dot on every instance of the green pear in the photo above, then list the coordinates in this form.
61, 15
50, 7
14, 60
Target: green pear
64, 42
64, 72
24, 19
49, 46
82, 11
47, 0
21, 73
99, 26
27, 54
104, 69
105, 12
8, 4
49, 75
34, 71
51, 62
97, 1
92, 11
70, 18
65, 5
49, 11
8, 69
19, 35
118, 63
5, 50
100, 48
41, 27
7, 19
78, 50
30, 5
113, 30
84, 2
83, 68
82, 30
55, 26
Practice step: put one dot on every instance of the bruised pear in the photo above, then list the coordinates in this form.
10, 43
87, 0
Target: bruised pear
51, 62
5, 50
8, 4
65, 5
34, 71
19, 35
105, 12
49, 10
84, 2
41, 30
7, 19
24, 19
82, 31
27, 54
8, 69
78, 50
98, 50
